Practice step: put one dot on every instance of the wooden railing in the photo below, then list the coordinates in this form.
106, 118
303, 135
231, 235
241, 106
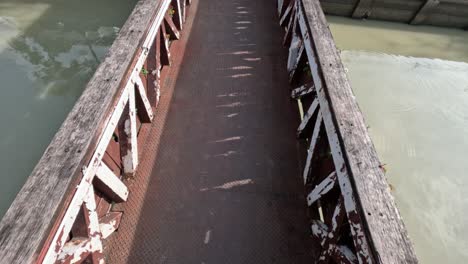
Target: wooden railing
64, 211
353, 213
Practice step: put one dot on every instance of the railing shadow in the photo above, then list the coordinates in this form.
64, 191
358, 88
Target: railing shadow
223, 183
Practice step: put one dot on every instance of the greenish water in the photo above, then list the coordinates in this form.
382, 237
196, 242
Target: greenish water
49, 49
412, 86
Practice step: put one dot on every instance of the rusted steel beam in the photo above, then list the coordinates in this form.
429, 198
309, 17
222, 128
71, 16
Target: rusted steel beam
94, 232
329, 244
128, 135
109, 223
303, 90
171, 28
152, 77
321, 189
306, 121
144, 109
287, 13
75, 251
312, 148
295, 51
297, 63
339, 253
110, 184
290, 29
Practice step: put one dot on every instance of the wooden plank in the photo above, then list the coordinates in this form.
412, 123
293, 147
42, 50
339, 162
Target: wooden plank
312, 148
306, 121
145, 111
128, 135
26, 234
425, 10
171, 28
321, 189
363, 9
303, 90
353, 153
110, 184
177, 16
109, 223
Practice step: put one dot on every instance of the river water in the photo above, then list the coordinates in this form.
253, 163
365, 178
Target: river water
412, 85
48, 51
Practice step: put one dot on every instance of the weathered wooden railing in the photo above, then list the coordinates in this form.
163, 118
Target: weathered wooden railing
353, 212
64, 211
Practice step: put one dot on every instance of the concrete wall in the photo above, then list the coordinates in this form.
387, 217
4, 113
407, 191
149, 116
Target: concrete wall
445, 13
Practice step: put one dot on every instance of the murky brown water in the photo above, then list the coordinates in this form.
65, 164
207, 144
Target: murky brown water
412, 86
48, 51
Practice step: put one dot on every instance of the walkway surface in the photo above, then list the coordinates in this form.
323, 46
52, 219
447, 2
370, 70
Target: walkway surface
220, 180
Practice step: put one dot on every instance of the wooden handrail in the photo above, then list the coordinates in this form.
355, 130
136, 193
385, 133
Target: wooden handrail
356, 219
42, 224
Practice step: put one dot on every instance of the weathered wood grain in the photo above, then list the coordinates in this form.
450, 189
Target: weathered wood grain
348, 136
40, 205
